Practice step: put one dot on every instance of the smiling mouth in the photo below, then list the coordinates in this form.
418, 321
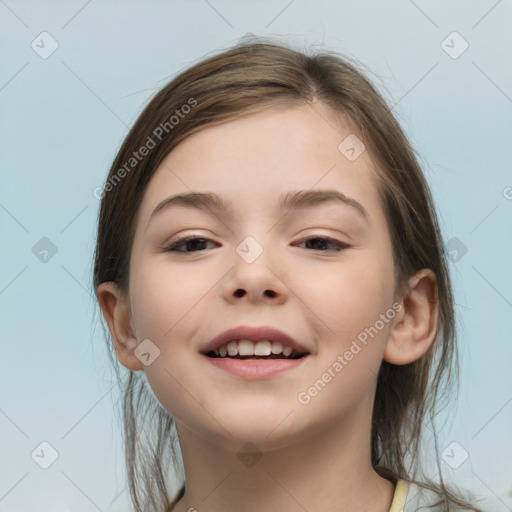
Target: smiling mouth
261, 350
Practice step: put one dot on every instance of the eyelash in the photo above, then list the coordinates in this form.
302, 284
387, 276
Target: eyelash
179, 243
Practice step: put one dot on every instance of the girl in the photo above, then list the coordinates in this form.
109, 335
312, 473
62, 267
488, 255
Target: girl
271, 269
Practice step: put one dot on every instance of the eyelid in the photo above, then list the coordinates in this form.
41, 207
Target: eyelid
184, 235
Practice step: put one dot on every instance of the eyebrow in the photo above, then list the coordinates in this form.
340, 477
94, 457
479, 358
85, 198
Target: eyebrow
293, 200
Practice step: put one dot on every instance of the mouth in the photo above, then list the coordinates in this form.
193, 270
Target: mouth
257, 351
250, 352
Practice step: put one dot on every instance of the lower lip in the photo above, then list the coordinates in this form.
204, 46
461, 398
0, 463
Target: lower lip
254, 368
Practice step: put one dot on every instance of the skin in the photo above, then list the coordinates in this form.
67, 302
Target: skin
314, 456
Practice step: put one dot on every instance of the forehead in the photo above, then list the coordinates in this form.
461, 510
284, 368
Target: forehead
252, 160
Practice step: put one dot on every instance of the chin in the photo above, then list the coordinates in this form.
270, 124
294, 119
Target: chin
267, 429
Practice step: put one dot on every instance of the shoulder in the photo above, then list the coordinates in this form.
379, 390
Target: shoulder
412, 497
420, 498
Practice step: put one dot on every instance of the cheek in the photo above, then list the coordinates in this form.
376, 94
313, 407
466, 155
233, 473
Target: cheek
348, 304
167, 307
348, 297
163, 295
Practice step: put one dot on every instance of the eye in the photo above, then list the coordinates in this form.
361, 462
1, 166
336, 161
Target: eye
196, 244
191, 244
321, 242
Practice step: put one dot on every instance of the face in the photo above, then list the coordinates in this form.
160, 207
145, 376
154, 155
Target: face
322, 273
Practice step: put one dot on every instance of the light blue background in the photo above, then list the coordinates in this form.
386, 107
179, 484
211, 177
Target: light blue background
63, 119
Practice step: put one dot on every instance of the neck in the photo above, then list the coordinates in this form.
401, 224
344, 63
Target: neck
329, 471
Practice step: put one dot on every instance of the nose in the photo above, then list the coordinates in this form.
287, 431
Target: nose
256, 282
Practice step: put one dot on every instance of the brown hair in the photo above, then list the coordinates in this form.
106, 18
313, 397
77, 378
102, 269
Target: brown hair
244, 79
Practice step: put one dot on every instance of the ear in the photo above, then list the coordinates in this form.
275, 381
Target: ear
116, 310
414, 328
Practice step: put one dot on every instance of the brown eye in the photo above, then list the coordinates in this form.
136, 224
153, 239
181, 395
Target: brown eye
191, 244
320, 243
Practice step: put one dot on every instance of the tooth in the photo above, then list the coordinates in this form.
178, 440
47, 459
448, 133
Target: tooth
277, 347
245, 348
287, 350
232, 348
262, 348
251, 348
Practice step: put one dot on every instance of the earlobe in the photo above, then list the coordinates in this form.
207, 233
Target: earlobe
414, 328
116, 310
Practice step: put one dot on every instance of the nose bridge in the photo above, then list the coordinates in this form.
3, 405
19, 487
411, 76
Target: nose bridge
250, 250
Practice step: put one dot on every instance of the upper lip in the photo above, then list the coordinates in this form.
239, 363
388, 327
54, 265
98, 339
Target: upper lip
254, 334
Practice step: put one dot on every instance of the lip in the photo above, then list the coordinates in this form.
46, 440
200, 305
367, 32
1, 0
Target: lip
259, 333
255, 369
